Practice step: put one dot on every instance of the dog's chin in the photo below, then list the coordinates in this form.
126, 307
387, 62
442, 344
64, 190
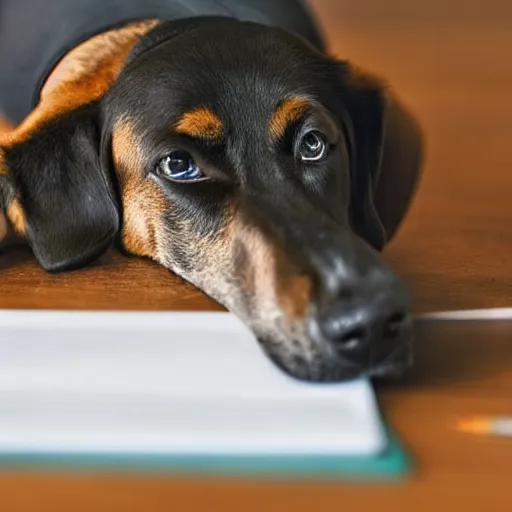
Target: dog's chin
312, 367
308, 365
315, 373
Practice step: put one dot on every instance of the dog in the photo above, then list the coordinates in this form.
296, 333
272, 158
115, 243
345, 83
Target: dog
226, 144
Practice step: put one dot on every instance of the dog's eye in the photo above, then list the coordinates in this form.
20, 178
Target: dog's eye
313, 147
180, 166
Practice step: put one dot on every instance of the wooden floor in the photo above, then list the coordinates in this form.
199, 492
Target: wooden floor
452, 64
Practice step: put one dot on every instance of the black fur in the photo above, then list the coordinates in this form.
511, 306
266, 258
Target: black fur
68, 200
169, 74
62, 177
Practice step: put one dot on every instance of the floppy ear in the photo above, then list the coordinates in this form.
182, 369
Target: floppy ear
372, 126
56, 193
400, 170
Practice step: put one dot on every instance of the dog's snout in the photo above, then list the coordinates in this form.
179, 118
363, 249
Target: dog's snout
367, 328
362, 313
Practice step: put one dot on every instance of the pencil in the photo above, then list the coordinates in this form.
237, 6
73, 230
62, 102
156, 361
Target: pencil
486, 425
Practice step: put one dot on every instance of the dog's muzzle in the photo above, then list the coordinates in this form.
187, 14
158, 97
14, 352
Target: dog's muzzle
365, 328
359, 320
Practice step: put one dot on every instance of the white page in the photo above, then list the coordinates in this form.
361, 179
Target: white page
469, 314
166, 383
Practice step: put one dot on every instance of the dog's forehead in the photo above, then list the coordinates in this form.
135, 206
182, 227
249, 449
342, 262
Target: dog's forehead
241, 74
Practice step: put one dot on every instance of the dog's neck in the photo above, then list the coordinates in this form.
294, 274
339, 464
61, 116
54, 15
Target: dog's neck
83, 75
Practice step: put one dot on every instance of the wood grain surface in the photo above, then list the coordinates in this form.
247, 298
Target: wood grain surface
451, 63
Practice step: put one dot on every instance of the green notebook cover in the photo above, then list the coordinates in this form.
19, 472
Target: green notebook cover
393, 463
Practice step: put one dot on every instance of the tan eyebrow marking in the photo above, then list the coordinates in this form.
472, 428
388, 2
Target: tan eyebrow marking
201, 123
288, 111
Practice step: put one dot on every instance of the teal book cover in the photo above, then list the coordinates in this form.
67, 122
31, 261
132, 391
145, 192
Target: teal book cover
391, 464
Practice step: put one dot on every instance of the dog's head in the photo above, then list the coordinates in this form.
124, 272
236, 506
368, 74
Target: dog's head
245, 161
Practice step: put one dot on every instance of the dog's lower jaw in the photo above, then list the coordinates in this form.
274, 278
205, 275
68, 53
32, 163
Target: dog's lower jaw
305, 369
315, 360
310, 367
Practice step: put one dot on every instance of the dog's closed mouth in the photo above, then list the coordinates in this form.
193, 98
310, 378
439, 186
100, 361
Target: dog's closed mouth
321, 369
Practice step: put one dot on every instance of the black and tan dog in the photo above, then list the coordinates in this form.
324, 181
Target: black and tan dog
240, 156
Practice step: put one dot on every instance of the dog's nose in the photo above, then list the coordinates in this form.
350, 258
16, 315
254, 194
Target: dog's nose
366, 330
361, 311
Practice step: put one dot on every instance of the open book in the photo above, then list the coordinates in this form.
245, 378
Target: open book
173, 388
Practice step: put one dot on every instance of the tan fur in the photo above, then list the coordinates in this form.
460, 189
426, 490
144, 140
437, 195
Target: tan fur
16, 215
143, 202
143, 207
271, 275
201, 123
4, 227
260, 276
126, 150
217, 248
293, 287
3, 165
83, 75
288, 111
5, 126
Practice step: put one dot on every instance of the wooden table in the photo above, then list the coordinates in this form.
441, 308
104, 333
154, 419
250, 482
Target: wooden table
451, 63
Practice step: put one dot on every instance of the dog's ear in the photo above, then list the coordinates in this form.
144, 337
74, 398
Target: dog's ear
363, 120
56, 193
384, 146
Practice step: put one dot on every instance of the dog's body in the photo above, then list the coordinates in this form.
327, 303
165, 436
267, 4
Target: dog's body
237, 155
